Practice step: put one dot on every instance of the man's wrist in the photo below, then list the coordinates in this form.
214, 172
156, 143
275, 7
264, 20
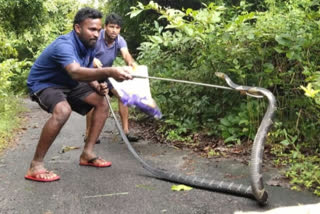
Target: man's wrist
109, 71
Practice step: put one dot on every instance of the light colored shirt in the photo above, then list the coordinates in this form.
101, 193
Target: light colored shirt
108, 54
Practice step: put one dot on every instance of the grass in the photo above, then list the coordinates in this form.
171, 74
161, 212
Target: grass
10, 108
114, 104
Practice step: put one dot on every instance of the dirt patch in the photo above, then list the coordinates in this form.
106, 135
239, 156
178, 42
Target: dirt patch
212, 148
201, 144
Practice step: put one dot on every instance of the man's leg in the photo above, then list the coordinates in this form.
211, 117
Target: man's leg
49, 132
88, 125
124, 115
99, 115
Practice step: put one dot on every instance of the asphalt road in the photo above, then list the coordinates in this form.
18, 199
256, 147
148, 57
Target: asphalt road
125, 187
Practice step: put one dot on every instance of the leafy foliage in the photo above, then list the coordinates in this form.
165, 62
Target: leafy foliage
304, 171
30, 25
271, 49
135, 29
10, 107
21, 15
26, 28
313, 88
274, 45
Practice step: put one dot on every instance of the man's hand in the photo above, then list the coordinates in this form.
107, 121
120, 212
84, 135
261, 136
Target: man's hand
103, 90
134, 65
97, 63
100, 88
121, 73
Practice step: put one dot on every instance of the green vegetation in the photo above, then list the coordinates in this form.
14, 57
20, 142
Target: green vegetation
26, 27
271, 44
275, 48
9, 121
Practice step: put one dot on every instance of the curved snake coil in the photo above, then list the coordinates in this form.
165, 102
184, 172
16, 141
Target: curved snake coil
256, 190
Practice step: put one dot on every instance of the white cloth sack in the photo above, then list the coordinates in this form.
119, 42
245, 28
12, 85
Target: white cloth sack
136, 92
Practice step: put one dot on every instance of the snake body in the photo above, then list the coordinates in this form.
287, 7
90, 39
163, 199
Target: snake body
256, 190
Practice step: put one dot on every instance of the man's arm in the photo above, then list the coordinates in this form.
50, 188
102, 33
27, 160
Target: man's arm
100, 88
127, 57
90, 74
96, 64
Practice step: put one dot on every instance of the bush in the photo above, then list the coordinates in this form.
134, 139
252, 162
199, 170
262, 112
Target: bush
275, 49
26, 28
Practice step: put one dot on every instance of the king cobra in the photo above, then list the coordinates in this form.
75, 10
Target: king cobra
256, 189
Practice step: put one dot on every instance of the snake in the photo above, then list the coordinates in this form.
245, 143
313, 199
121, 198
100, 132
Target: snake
255, 190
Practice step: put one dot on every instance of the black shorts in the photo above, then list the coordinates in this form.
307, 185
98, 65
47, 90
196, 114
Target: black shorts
49, 97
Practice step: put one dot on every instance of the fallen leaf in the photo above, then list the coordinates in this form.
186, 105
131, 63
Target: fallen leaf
68, 148
180, 187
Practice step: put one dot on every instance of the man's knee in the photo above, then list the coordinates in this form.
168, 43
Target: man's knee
62, 111
97, 101
102, 104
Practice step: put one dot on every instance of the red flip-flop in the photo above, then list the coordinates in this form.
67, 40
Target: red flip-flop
92, 162
44, 172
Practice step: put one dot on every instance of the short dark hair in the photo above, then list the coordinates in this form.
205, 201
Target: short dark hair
113, 18
86, 13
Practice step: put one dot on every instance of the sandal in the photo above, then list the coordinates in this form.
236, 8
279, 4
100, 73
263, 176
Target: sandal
93, 162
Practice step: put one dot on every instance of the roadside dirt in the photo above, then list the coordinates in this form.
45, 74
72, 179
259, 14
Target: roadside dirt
211, 148
201, 145
126, 187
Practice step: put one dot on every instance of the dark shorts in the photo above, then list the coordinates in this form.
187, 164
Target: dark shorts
49, 97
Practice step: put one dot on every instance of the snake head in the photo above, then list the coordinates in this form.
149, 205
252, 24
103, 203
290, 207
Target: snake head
219, 74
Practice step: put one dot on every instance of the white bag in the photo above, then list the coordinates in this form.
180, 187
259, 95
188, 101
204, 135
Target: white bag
136, 92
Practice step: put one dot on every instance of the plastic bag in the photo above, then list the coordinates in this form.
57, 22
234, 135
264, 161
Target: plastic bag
136, 92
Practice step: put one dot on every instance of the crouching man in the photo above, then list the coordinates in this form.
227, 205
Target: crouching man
62, 80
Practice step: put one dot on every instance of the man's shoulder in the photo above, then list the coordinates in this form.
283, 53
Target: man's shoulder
121, 42
63, 43
65, 39
101, 35
121, 38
